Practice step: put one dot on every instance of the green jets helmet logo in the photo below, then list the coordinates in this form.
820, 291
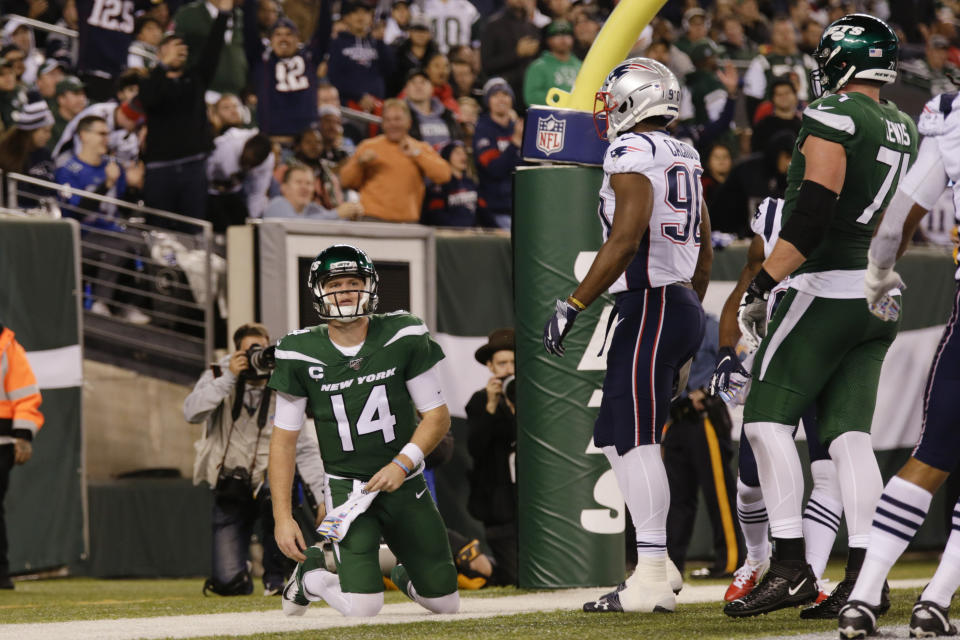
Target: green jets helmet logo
839, 31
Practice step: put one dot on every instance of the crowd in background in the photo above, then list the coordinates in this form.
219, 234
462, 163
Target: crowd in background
401, 111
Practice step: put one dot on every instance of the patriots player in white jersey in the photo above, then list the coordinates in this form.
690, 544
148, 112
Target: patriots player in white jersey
906, 498
453, 22
656, 259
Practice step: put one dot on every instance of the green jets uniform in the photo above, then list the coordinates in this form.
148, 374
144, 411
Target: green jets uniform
823, 344
364, 416
764, 68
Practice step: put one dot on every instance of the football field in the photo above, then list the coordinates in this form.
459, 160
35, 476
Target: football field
88, 609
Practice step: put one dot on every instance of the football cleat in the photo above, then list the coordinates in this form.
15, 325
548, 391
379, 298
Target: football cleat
782, 586
632, 600
674, 577
295, 599
857, 620
745, 579
829, 608
607, 603
929, 620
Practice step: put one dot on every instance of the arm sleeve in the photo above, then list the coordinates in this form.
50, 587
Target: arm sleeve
426, 391
291, 412
432, 165
207, 395
351, 174
210, 56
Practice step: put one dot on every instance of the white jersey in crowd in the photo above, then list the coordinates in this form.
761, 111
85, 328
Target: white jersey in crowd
669, 249
223, 166
123, 145
451, 22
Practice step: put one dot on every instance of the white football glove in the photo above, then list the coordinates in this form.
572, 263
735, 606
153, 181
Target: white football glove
752, 319
877, 283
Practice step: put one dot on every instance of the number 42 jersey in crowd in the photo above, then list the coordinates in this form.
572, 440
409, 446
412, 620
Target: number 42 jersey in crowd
360, 404
669, 248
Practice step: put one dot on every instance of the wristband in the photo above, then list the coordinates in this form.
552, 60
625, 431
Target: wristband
579, 305
397, 462
413, 452
761, 285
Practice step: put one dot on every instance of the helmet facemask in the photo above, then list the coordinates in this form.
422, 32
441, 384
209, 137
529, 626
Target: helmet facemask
328, 303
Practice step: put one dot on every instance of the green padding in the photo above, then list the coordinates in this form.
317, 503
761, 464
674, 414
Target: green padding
556, 220
149, 528
474, 284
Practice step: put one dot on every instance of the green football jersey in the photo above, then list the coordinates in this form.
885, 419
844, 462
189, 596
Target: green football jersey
880, 142
361, 408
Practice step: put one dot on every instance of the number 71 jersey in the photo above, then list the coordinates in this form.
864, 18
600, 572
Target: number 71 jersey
361, 408
669, 248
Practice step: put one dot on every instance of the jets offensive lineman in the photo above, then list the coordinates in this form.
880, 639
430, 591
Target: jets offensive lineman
656, 259
363, 375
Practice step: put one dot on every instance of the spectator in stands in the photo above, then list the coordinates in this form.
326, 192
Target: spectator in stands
178, 135
719, 164
11, 94
47, 78
308, 150
810, 34
454, 22
239, 172
397, 24
63, 47
336, 147
556, 67
585, 30
438, 72
755, 24
23, 146
16, 32
389, 170
21, 406
286, 80
105, 37
226, 112
510, 43
413, 52
932, 72
329, 96
706, 92
492, 443
469, 114
267, 14
783, 58
147, 34
431, 121
753, 178
193, 24
358, 64
785, 114
123, 121
126, 86
91, 169
13, 54
464, 79
298, 189
232, 398
454, 203
663, 31
70, 100
696, 27
496, 150
734, 42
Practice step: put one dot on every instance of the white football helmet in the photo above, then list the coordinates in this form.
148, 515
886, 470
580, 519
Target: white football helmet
636, 89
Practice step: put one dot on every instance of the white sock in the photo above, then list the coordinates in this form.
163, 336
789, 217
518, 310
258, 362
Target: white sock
900, 512
860, 483
781, 477
753, 522
643, 482
947, 578
326, 585
821, 516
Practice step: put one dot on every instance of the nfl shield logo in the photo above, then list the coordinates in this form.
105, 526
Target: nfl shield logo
550, 134
355, 364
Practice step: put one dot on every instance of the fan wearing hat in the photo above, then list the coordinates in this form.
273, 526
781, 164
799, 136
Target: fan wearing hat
413, 52
23, 146
696, 27
710, 90
47, 78
496, 149
123, 120
556, 67
453, 204
397, 23
70, 98
11, 94
492, 444
358, 63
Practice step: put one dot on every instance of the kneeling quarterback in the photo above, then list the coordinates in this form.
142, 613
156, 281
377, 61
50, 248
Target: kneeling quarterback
365, 377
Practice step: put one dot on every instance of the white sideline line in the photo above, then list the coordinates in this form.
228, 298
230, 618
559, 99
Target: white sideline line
248, 623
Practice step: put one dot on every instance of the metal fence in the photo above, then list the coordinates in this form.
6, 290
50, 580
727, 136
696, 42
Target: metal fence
150, 278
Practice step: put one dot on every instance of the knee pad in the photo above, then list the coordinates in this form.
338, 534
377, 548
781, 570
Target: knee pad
363, 605
449, 603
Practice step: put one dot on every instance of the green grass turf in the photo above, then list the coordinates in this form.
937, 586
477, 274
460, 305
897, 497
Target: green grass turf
705, 621
65, 599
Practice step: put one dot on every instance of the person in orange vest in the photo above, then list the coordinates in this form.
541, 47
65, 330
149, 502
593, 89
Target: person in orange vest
20, 419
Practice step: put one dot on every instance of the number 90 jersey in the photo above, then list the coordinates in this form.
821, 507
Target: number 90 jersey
669, 248
361, 408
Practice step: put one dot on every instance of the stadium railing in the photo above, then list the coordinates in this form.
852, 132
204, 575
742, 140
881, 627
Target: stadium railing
43, 26
141, 261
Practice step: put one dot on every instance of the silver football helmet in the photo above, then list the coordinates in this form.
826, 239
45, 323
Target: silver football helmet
636, 89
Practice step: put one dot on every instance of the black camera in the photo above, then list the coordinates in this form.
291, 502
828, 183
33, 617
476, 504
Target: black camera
510, 388
262, 359
234, 484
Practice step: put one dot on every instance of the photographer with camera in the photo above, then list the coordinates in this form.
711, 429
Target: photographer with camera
491, 417
238, 408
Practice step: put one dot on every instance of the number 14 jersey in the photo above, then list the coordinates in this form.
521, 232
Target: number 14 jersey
361, 408
669, 248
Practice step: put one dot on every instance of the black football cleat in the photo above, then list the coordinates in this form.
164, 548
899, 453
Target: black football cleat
857, 620
781, 587
930, 620
829, 608
607, 603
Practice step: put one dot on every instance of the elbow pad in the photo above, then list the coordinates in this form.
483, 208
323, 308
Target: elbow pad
812, 215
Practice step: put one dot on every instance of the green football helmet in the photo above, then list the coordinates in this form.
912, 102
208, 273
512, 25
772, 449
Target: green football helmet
856, 46
343, 260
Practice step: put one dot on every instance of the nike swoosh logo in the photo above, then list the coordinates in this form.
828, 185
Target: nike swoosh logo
821, 107
794, 590
421, 493
720, 364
